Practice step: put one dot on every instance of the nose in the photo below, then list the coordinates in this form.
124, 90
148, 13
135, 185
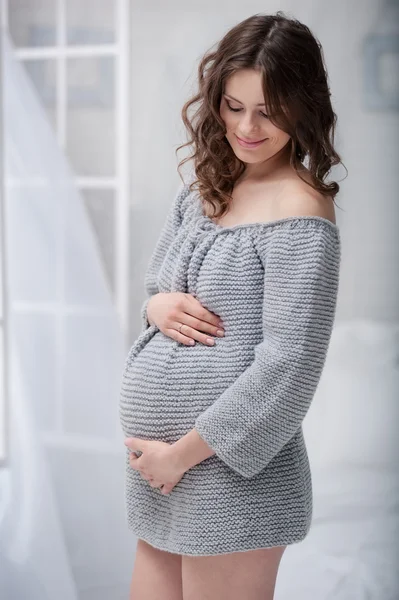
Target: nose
248, 125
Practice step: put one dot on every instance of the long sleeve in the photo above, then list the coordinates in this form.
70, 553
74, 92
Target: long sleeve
252, 420
168, 232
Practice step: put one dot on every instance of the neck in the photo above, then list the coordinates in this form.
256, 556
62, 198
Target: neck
268, 168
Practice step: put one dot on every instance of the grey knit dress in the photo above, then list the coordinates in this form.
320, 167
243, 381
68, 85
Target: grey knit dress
274, 285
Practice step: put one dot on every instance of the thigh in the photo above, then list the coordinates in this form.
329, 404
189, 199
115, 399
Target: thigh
156, 574
251, 575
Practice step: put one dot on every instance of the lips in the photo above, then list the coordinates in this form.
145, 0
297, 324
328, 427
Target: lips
250, 141
250, 145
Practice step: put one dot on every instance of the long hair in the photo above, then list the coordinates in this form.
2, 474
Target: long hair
297, 98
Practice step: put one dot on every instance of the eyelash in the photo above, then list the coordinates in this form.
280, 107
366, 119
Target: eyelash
238, 110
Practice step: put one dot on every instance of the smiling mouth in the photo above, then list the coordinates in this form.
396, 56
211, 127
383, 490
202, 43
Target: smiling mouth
249, 145
250, 141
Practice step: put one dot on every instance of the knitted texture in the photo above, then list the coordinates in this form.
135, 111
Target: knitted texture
275, 286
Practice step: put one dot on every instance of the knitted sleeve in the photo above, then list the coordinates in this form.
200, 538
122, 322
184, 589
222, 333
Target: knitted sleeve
258, 414
168, 232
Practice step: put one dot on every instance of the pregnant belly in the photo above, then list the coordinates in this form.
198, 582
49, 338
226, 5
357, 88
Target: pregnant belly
168, 385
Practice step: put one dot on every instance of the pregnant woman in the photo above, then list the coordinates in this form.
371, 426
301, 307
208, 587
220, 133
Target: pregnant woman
218, 480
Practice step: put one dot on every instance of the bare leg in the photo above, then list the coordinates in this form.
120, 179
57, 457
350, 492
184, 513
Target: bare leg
156, 574
251, 575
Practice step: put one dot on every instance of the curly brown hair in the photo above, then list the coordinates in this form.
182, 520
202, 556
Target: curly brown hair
297, 99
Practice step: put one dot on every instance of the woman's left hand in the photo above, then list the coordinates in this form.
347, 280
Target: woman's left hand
158, 463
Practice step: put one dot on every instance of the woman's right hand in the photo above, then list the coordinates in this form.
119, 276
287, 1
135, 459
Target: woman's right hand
168, 311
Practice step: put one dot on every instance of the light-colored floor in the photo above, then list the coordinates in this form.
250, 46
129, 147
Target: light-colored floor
251, 575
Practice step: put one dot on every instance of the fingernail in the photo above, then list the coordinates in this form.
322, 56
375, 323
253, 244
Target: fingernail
220, 333
210, 341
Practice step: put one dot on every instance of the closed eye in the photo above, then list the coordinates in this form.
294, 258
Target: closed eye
239, 109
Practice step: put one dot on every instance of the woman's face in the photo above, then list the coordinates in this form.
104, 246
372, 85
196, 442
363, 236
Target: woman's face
242, 109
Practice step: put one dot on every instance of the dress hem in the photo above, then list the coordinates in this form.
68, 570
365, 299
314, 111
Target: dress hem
184, 551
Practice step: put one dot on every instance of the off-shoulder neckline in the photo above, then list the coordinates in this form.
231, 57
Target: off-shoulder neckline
273, 223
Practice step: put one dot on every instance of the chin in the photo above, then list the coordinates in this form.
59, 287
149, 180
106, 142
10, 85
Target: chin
247, 157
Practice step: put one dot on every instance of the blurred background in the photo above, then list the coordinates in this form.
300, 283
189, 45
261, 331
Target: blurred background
91, 94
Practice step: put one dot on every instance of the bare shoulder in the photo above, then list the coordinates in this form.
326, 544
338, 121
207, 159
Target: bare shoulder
298, 200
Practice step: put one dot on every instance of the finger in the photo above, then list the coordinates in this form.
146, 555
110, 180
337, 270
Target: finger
155, 484
134, 461
177, 336
135, 444
200, 312
133, 453
186, 333
198, 323
143, 472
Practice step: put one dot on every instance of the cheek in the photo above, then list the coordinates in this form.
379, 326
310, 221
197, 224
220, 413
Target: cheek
228, 119
273, 141
278, 138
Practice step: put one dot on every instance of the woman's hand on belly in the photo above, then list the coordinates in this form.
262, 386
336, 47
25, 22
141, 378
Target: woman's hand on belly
157, 463
182, 317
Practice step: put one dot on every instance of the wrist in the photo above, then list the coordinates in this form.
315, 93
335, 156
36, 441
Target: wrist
190, 450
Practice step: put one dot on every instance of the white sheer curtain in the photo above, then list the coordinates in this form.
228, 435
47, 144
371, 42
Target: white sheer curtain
62, 522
